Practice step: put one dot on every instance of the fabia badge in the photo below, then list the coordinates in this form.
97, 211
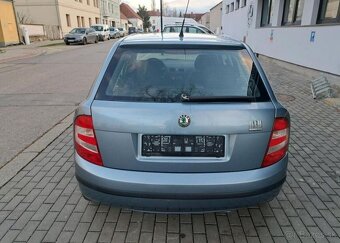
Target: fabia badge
184, 121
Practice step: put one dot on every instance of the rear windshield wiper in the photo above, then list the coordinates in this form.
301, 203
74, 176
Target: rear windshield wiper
186, 98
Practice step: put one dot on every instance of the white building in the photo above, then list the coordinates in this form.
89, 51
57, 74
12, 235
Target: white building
216, 18
110, 12
59, 16
205, 20
134, 19
303, 32
156, 22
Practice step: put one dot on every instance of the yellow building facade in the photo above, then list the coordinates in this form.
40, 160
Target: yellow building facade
8, 25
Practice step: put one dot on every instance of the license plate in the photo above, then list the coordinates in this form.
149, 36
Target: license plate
70, 40
183, 146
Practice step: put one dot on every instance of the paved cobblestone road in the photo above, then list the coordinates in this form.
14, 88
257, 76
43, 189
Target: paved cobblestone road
43, 202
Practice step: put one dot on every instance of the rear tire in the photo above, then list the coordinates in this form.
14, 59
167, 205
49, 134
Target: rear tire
84, 41
67, 43
96, 41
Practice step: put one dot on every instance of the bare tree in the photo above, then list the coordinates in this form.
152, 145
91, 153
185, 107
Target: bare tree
23, 18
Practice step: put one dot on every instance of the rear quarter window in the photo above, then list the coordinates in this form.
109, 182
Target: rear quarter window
156, 74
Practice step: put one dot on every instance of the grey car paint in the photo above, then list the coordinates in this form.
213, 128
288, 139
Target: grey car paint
118, 127
89, 36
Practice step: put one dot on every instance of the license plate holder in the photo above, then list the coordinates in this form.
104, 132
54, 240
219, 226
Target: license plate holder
183, 146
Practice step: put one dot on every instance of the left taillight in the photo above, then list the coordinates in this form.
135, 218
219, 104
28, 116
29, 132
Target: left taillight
85, 140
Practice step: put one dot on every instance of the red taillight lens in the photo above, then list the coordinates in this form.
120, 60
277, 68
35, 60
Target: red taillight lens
85, 140
278, 143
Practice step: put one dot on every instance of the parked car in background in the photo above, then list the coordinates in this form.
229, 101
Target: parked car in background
132, 30
122, 32
114, 33
188, 28
181, 125
81, 35
102, 31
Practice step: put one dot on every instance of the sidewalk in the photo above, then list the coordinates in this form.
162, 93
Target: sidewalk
18, 52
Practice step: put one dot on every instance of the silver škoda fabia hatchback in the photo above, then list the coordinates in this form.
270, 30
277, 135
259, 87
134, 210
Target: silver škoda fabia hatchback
181, 125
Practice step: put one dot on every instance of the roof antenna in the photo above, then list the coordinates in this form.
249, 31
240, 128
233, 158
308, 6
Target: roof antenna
181, 34
161, 16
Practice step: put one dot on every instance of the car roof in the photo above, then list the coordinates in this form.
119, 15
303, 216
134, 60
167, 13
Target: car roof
173, 39
179, 24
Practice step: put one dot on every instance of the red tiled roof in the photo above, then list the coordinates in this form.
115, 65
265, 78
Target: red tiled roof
122, 16
128, 11
195, 16
154, 13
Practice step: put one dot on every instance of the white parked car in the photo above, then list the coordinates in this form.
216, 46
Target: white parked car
102, 30
188, 28
122, 32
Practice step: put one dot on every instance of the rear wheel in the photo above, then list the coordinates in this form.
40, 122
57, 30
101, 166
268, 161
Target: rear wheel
84, 41
67, 43
96, 41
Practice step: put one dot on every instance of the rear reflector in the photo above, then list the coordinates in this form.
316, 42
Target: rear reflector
278, 143
85, 140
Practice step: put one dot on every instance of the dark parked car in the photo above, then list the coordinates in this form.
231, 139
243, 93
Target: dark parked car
132, 30
181, 125
81, 35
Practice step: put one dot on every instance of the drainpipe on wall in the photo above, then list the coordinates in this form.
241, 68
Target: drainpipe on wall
59, 20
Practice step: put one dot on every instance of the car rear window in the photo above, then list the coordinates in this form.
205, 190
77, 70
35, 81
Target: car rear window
156, 74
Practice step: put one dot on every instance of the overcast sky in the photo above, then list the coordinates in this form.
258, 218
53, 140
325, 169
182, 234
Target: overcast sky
197, 6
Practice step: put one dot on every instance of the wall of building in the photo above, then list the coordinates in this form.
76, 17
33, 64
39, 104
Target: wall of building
110, 12
205, 20
292, 44
37, 11
124, 23
52, 14
136, 22
215, 18
8, 24
85, 11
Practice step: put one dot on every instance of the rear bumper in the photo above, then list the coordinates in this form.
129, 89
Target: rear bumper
180, 192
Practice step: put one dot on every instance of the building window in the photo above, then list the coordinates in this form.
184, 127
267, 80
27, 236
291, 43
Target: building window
90, 22
227, 9
82, 22
243, 3
267, 12
293, 12
78, 21
68, 20
232, 7
237, 4
329, 11
88, 2
97, 20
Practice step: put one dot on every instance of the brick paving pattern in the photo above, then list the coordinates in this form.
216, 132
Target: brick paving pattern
42, 203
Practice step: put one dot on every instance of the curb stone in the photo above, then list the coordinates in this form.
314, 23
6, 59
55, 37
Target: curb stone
8, 171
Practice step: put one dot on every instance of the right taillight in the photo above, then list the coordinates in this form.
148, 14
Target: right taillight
85, 140
278, 143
